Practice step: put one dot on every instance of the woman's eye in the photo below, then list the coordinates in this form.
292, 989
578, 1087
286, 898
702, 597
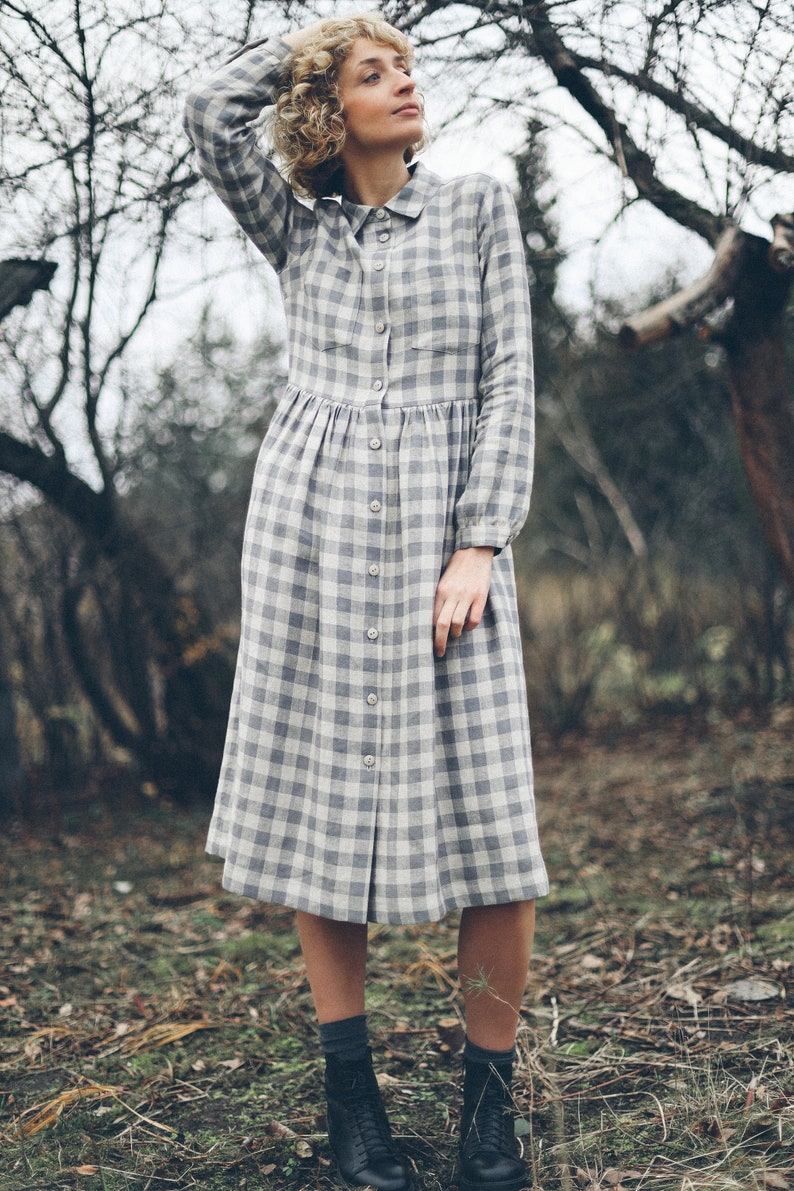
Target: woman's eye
372, 76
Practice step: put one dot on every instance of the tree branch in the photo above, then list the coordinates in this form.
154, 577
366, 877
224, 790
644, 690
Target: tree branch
578, 442
172, 191
692, 112
42, 34
52, 478
633, 161
88, 675
692, 304
149, 300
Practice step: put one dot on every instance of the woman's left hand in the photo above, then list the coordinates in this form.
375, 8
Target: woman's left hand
461, 594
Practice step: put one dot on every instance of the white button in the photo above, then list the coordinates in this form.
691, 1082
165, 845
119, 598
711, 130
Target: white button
380, 213
372, 698
374, 444
379, 327
375, 505
383, 237
377, 385
373, 568
378, 266
369, 760
372, 634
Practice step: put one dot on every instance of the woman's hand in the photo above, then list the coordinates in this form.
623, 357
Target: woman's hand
461, 594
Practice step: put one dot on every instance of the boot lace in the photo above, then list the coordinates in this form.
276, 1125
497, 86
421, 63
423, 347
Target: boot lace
492, 1126
366, 1109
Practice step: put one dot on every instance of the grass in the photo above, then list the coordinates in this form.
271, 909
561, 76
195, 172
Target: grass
158, 1033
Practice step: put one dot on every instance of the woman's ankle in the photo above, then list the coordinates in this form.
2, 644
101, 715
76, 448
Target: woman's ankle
346, 1040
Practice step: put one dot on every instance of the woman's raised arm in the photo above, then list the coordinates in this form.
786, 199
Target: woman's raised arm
218, 114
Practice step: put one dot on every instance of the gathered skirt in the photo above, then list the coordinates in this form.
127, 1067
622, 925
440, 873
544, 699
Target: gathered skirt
365, 779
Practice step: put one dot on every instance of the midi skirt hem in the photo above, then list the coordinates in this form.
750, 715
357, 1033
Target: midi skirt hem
527, 891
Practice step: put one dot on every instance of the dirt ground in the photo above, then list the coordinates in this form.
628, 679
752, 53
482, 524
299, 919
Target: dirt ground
157, 1032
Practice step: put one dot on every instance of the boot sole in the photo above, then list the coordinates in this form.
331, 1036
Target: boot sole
346, 1182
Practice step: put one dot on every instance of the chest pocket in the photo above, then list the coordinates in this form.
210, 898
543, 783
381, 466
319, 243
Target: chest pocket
445, 309
332, 301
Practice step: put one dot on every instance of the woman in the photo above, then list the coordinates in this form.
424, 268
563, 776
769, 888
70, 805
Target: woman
377, 765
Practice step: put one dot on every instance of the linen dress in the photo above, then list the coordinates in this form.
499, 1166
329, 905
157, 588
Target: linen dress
363, 777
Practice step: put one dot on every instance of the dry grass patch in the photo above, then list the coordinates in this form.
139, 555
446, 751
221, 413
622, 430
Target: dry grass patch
158, 1033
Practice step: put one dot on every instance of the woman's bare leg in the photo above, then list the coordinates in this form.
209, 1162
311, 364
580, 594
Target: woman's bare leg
358, 1131
494, 949
335, 954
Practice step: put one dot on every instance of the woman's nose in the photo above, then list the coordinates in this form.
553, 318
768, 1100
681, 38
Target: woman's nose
405, 85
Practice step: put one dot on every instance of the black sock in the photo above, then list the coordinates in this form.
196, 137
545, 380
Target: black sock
472, 1053
347, 1039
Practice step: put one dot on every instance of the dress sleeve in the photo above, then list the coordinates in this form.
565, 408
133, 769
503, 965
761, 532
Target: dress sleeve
495, 502
218, 116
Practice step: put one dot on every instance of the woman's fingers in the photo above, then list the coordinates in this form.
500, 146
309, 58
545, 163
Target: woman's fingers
450, 622
475, 611
461, 595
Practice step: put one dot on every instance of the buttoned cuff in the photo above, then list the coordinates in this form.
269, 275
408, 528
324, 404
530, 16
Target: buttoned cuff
480, 533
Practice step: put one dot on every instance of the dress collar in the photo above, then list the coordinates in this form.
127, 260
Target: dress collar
410, 201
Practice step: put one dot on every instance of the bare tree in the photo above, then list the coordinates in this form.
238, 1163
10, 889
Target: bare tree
19, 280
95, 172
690, 100
750, 279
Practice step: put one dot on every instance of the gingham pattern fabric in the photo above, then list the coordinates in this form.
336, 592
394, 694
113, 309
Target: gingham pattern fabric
364, 778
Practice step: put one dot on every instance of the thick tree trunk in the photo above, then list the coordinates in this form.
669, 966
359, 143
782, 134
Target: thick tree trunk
749, 270
754, 342
178, 738
177, 735
756, 276
19, 281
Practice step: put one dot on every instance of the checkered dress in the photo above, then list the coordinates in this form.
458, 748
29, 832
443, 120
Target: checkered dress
364, 778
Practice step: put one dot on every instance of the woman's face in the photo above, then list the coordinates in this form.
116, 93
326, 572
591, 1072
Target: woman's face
379, 103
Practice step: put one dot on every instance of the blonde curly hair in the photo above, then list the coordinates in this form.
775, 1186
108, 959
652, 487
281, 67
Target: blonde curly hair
308, 128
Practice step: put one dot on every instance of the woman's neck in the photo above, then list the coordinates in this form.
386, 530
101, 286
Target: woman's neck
372, 181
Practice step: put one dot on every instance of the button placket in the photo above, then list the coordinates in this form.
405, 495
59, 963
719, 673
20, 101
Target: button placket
378, 233
373, 602
379, 242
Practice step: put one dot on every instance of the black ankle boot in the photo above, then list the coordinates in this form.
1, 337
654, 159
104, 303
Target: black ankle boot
489, 1153
358, 1130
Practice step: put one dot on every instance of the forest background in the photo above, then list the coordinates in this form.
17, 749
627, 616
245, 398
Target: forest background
140, 356
135, 391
